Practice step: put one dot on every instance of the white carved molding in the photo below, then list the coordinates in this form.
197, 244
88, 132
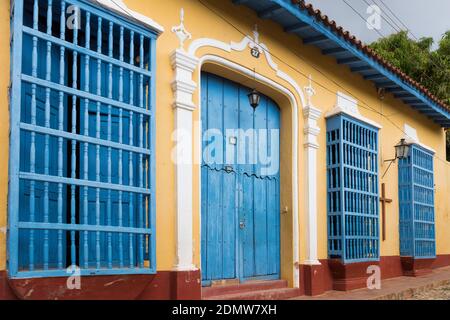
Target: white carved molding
348, 105
120, 8
247, 42
180, 31
411, 136
183, 86
311, 130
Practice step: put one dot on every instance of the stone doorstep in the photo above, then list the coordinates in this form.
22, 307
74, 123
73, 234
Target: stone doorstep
408, 293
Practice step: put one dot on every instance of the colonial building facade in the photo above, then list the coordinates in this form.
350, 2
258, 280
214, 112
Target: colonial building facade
209, 149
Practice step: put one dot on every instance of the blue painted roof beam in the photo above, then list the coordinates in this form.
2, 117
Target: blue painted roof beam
386, 84
433, 116
411, 100
315, 40
297, 27
396, 89
427, 111
443, 123
270, 12
374, 77
421, 109
239, 1
403, 95
348, 60
362, 68
333, 50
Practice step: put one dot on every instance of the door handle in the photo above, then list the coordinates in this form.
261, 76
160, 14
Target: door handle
242, 224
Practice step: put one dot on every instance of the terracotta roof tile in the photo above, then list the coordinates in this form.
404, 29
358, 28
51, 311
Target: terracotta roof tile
338, 30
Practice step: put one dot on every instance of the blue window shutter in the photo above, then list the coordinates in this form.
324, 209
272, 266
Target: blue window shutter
416, 196
353, 195
82, 166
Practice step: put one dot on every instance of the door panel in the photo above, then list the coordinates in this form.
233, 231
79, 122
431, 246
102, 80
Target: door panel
273, 223
248, 236
228, 225
260, 227
214, 227
240, 201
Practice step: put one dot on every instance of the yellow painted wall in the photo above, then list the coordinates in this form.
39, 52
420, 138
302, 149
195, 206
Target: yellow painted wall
4, 125
296, 60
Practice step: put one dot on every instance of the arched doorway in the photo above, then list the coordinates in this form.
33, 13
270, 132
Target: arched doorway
240, 185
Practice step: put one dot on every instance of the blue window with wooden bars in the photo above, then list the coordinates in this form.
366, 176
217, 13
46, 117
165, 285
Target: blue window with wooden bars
82, 167
353, 197
416, 196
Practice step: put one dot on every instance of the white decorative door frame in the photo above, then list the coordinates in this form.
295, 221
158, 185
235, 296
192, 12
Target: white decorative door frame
184, 63
262, 79
311, 130
183, 88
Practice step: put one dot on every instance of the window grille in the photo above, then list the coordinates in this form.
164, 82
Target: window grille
353, 196
416, 196
82, 169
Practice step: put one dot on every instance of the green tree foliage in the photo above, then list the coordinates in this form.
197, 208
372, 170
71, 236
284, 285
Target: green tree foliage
417, 59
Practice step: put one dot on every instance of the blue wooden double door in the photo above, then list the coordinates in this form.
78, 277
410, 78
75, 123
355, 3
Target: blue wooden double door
240, 200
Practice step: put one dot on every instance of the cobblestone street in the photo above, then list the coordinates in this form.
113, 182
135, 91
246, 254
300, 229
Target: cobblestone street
439, 293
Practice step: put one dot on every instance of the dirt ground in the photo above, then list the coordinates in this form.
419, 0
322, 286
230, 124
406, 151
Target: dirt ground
439, 293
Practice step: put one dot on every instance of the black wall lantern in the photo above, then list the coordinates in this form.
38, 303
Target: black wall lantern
254, 98
401, 152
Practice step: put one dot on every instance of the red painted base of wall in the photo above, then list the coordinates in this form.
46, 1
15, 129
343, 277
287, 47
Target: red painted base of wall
312, 283
6, 292
333, 275
416, 267
171, 285
441, 261
91, 288
165, 285
349, 276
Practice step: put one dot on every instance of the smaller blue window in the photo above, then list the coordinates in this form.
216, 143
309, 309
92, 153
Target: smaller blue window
416, 194
353, 197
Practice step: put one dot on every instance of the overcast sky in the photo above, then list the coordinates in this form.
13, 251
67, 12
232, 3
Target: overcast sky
423, 18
